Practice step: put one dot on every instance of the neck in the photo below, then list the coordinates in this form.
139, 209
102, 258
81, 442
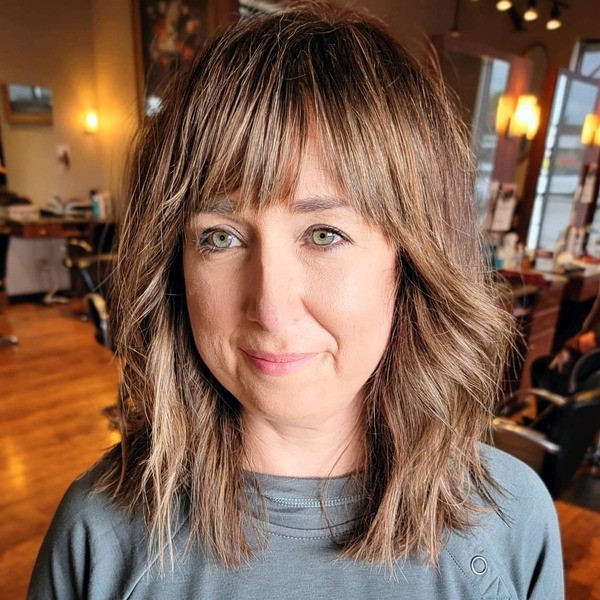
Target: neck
328, 449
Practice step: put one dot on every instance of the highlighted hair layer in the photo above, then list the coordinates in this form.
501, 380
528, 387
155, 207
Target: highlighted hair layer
239, 120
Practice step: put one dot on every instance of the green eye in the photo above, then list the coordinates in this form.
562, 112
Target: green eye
322, 237
221, 239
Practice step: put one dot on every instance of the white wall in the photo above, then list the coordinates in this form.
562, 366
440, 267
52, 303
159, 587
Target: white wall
83, 51
116, 86
50, 44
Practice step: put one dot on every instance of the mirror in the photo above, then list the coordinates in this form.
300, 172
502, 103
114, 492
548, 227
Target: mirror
478, 82
575, 96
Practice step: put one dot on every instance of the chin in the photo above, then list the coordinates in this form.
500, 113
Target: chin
296, 409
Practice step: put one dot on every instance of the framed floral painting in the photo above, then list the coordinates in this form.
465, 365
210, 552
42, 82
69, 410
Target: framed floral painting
168, 34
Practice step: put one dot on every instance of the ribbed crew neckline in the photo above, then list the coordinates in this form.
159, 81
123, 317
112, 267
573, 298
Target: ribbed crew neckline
305, 504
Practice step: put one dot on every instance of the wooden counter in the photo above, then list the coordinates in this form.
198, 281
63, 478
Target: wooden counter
583, 286
537, 310
54, 227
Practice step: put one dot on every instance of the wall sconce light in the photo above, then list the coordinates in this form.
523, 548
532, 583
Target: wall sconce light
518, 119
554, 22
590, 132
526, 119
503, 5
91, 121
504, 112
531, 14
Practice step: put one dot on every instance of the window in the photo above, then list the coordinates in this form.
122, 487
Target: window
587, 58
493, 80
574, 98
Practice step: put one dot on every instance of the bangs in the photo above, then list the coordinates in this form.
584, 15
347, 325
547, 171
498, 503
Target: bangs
263, 98
238, 124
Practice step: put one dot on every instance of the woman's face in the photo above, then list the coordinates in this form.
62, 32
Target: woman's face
291, 307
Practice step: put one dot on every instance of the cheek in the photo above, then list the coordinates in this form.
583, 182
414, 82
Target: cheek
357, 306
210, 308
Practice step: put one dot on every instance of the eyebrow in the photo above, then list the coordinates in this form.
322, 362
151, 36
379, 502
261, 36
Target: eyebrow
317, 204
310, 204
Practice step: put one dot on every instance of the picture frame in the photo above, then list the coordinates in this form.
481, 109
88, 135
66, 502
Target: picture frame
504, 208
167, 35
25, 104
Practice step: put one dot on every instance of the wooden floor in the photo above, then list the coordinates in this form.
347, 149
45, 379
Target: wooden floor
53, 386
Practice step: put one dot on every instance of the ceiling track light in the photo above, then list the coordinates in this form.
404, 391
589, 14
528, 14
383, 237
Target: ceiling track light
554, 22
455, 31
518, 18
531, 14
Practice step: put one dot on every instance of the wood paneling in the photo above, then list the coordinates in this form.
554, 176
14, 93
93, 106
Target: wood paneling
53, 386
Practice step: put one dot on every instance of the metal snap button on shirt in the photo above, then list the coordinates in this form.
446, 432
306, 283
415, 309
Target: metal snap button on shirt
479, 565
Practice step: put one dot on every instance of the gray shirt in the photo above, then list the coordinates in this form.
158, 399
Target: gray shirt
93, 551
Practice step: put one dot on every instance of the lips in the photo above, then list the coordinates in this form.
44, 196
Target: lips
277, 364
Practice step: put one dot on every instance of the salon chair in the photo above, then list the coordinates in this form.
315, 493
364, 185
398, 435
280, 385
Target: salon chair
98, 312
5, 340
99, 316
555, 439
75, 250
90, 270
90, 277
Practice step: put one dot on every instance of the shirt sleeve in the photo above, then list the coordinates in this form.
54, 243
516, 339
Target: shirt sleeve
527, 537
92, 550
545, 561
64, 557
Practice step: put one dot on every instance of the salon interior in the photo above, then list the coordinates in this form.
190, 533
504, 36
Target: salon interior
76, 78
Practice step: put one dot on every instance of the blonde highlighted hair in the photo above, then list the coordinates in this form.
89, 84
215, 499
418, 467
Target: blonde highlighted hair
239, 120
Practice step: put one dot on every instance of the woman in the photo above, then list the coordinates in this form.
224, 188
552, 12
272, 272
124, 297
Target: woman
311, 351
553, 372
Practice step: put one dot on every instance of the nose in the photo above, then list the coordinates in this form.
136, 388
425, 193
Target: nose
274, 299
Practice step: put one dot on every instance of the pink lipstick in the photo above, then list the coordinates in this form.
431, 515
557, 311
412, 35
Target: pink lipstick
277, 364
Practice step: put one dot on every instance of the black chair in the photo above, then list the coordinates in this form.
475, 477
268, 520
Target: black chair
90, 279
9, 340
90, 270
557, 438
98, 311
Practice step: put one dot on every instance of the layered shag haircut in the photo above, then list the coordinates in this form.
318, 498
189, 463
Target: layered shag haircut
238, 121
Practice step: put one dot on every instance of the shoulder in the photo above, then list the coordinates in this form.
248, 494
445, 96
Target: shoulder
523, 536
520, 487
92, 548
86, 515
523, 501
82, 504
